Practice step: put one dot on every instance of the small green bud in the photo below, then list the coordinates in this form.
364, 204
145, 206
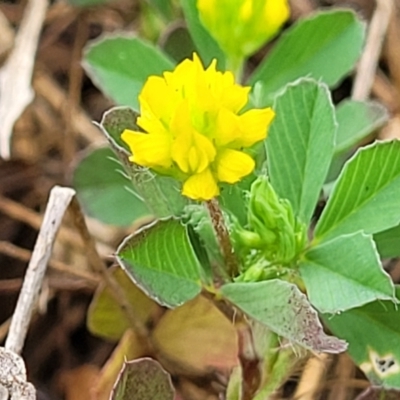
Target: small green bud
252, 274
274, 222
260, 271
247, 238
264, 204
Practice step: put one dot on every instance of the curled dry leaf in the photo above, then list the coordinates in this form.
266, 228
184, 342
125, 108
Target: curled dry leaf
129, 348
197, 338
143, 379
105, 316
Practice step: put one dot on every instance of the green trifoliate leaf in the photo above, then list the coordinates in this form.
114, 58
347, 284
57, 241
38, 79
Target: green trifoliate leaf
105, 191
366, 195
119, 66
373, 334
324, 46
345, 273
161, 261
300, 144
281, 307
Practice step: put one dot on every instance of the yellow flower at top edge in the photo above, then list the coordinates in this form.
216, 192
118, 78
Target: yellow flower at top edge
241, 27
193, 128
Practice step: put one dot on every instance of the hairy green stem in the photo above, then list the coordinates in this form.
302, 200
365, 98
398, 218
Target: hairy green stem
222, 234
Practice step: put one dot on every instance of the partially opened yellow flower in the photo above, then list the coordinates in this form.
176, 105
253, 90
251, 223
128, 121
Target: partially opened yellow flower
193, 128
241, 27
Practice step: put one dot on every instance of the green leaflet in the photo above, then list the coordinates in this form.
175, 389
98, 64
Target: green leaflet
119, 66
366, 193
324, 46
103, 189
161, 261
373, 334
281, 307
345, 273
300, 144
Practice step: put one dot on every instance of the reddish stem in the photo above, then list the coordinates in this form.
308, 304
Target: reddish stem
223, 238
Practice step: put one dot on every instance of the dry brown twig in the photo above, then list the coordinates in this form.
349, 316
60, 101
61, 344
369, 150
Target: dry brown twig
19, 253
369, 60
45, 87
12, 369
16, 74
344, 369
6, 35
58, 202
21, 213
313, 375
4, 327
99, 267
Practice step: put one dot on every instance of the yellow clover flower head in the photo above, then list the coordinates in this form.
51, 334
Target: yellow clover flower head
193, 128
241, 27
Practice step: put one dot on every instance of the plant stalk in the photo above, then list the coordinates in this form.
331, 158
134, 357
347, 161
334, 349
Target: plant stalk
100, 268
221, 231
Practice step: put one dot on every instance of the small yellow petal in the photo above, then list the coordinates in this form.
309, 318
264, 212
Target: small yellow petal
201, 186
227, 127
156, 98
193, 152
225, 91
197, 62
182, 73
149, 150
254, 126
233, 165
148, 121
235, 97
183, 79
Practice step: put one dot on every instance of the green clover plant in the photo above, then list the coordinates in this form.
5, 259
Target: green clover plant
241, 228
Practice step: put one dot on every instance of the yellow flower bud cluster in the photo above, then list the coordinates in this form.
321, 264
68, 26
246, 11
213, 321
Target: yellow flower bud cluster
241, 27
